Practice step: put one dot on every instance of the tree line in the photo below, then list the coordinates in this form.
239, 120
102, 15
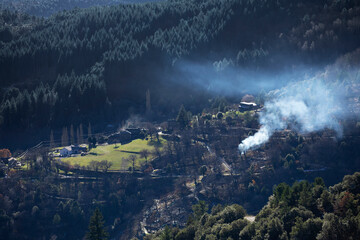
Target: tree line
70, 99
301, 211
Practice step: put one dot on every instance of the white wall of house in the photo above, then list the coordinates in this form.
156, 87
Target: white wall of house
65, 152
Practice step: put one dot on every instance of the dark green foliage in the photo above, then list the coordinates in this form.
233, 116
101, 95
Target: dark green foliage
199, 209
166, 235
202, 170
4, 224
45, 8
56, 105
182, 117
96, 227
186, 233
92, 142
125, 46
302, 211
231, 213
306, 230
222, 223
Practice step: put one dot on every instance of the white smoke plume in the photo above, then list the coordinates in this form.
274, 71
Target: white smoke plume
304, 107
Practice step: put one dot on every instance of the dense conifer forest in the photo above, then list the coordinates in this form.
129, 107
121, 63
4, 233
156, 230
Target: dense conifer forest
179, 119
45, 8
117, 53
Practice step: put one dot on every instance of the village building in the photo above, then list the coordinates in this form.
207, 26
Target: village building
65, 152
247, 106
73, 149
120, 137
78, 149
14, 163
126, 135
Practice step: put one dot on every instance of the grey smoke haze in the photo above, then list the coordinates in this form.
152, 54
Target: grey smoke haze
306, 106
301, 105
226, 79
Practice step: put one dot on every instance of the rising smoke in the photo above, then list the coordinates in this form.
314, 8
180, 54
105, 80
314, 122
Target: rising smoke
306, 106
220, 77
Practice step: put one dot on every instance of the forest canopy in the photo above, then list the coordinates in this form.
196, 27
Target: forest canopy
301, 211
118, 53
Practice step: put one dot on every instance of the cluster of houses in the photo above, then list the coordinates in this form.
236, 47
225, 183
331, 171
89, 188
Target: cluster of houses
8, 163
126, 135
123, 136
73, 149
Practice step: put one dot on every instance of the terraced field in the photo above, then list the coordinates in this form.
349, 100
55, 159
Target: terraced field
117, 154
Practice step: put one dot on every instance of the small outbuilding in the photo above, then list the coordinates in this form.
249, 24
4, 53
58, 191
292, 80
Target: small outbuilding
247, 106
78, 149
73, 149
66, 151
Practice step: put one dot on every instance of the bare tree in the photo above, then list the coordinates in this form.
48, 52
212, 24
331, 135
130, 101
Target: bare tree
94, 165
105, 165
132, 158
144, 154
157, 152
152, 130
52, 144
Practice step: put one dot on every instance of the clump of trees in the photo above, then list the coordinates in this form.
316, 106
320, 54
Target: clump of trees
96, 227
5, 153
300, 211
70, 98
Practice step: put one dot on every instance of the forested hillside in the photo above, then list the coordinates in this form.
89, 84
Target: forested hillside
45, 8
97, 64
301, 211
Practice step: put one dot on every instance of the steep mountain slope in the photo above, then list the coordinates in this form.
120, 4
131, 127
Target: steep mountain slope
45, 8
119, 52
303, 211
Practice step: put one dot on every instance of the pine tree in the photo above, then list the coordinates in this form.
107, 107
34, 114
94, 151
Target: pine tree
52, 144
78, 135
96, 227
72, 137
81, 140
166, 235
64, 137
148, 102
89, 130
182, 117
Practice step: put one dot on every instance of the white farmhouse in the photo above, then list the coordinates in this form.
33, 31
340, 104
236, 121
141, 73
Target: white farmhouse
66, 151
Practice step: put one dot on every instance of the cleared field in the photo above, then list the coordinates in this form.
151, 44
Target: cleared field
117, 154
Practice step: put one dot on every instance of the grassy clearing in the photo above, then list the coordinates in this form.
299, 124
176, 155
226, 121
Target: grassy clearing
114, 154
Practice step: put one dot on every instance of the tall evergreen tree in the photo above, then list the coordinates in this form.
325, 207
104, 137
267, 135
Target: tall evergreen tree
89, 130
72, 137
65, 137
96, 227
52, 144
81, 140
182, 117
78, 135
148, 102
